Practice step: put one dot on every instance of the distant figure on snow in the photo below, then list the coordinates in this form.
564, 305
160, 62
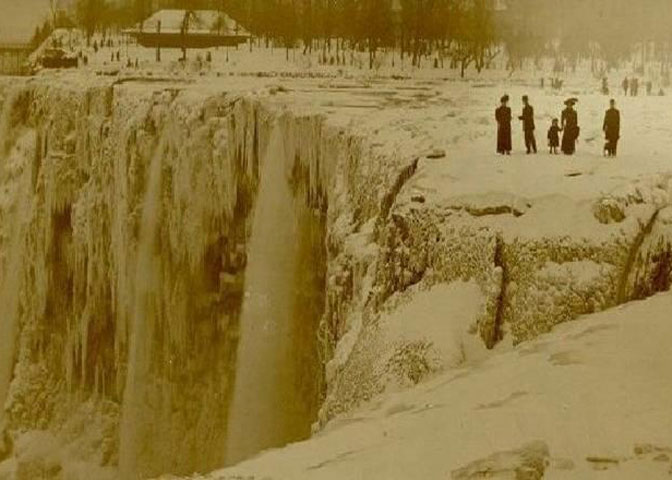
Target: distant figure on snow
625, 85
554, 137
528, 125
634, 87
612, 129
503, 117
570, 127
649, 88
605, 86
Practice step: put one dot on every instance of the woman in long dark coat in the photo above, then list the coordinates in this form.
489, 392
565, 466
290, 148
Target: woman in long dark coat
503, 117
570, 128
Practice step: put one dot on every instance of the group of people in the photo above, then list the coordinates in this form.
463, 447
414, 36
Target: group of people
568, 125
632, 85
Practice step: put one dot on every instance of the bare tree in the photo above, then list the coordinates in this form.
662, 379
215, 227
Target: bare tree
89, 15
476, 42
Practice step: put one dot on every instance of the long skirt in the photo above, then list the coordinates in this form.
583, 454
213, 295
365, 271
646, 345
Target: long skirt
504, 143
569, 137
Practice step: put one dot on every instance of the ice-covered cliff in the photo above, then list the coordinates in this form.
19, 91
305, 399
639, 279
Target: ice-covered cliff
181, 264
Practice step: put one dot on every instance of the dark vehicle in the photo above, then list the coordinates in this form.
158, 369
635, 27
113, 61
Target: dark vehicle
58, 58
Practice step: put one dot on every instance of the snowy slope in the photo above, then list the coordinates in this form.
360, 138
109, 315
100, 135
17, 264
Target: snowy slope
595, 393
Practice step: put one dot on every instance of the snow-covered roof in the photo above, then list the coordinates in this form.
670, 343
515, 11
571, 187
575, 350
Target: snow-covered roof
201, 21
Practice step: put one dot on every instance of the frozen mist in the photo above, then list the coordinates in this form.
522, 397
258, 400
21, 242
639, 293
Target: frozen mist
268, 408
146, 309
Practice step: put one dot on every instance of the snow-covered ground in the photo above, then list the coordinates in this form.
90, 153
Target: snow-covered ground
591, 400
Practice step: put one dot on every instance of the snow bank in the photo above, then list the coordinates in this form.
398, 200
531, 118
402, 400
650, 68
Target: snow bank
589, 400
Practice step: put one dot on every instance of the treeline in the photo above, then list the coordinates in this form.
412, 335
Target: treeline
608, 33
459, 33
446, 33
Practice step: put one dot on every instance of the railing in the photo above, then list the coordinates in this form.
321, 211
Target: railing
16, 46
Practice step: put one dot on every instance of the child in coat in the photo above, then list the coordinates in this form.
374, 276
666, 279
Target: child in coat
554, 137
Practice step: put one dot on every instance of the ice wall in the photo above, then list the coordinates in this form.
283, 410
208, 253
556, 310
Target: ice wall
124, 225
128, 215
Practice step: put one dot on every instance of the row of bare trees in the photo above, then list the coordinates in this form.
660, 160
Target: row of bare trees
608, 33
450, 33
459, 32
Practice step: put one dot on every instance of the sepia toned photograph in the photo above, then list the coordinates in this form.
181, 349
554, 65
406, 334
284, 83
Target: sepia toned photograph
335, 239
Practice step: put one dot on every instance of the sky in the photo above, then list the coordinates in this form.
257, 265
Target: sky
19, 18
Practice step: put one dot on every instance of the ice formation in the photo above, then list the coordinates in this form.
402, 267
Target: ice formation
147, 234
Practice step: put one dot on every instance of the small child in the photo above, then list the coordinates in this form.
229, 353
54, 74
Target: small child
554, 137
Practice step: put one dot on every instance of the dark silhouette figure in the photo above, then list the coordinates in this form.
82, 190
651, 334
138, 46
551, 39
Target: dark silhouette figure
605, 86
528, 125
634, 87
503, 117
554, 137
612, 129
556, 83
625, 85
570, 128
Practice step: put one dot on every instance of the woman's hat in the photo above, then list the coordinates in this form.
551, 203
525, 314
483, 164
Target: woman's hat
505, 98
571, 101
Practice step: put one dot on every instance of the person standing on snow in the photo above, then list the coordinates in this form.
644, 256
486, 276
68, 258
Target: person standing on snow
503, 117
554, 137
625, 85
570, 127
612, 129
528, 125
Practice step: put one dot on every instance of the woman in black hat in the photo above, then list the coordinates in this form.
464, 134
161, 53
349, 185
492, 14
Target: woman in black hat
503, 117
570, 127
